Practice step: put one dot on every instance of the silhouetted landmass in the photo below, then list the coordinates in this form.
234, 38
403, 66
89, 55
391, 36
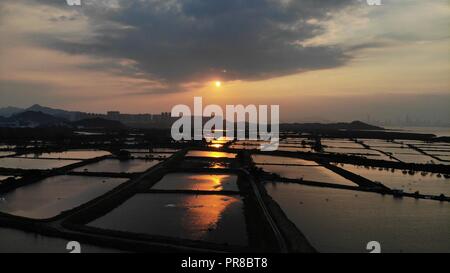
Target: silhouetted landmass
35, 119
98, 123
9, 111
354, 125
51, 111
38, 119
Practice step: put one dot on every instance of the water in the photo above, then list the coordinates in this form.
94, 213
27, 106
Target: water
83, 133
191, 181
345, 221
245, 147
34, 164
6, 153
437, 152
210, 154
17, 241
434, 146
196, 162
51, 196
350, 151
408, 155
7, 147
73, 154
428, 184
380, 143
351, 145
310, 173
438, 131
154, 150
294, 149
394, 150
119, 166
415, 158
294, 140
268, 159
3, 177
151, 155
380, 156
213, 218
445, 157
164, 150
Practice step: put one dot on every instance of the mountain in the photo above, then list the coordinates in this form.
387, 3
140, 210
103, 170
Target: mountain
51, 111
37, 119
98, 123
359, 125
40, 119
354, 125
9, 111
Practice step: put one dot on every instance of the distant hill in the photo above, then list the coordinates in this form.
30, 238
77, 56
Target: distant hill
98, 123
38, 119
354, 125
54, 112
9, 111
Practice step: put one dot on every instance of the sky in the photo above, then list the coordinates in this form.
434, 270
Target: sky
329, 60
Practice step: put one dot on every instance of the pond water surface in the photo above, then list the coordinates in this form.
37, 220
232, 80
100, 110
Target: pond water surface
345, 221
213, 218
51, 196
191, 181
119, 166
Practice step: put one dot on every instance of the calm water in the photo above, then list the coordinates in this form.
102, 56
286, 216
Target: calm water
310, 173
344, 221
407, 154
34, 164
191, 181
415, 158
51, 196
268, 159
426, 184
294, 149
398, 150
164, 150
6, 153
380, 156
346, 145
439, 151
119, 166
74, 154
349, 151
154, 150
214, 218
197, 162
151, 155
438, 131
245, 147
381, 143
445, 157
16, 241
5, 147
210, 154
3, 177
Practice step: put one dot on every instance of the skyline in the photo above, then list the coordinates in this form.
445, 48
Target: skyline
407, 120
333, 60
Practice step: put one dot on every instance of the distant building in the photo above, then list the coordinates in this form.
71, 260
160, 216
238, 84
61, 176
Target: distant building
113, 115
162, 120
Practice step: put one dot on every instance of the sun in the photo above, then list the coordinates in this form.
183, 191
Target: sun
218, 84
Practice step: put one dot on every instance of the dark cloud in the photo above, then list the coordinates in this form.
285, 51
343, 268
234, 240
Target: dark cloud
178, 41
